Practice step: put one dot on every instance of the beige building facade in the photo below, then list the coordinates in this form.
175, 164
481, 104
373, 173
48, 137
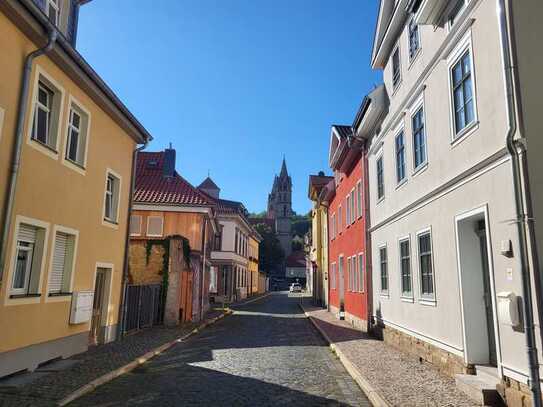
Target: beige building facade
65, 213
446, 252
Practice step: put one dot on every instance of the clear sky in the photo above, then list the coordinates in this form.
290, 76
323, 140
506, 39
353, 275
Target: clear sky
235, 84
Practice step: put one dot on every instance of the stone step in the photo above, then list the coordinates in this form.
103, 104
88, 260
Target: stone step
480, 388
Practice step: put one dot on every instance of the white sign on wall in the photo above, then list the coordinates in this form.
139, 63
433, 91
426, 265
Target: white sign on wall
81, 310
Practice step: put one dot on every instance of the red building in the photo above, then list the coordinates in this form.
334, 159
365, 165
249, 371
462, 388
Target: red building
348, 282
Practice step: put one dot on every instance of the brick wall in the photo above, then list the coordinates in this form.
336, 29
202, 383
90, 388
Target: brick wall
514, 393
145, 269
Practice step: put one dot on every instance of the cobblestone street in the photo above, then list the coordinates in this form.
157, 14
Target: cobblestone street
266, 354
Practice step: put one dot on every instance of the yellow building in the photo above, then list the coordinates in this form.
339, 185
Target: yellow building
66, 155
254, 242
318, 250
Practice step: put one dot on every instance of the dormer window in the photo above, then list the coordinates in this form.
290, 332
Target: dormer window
396, 70
52, 9
152, 164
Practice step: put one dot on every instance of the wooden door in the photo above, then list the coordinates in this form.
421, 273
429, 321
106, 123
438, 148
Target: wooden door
97, 306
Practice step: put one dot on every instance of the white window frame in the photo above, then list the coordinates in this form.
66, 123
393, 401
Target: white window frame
359, 199
65, 296
348, 210
464, 45
51, 151
424, 298
382, 159
333, 276
401, 132
449, 11
413, 57
114, 223
396, 86
57, 6
340, 219
161, 226
361, 272
140, 224
404, 295
38, 224
84, 133
384, 293
353, 206
414, 110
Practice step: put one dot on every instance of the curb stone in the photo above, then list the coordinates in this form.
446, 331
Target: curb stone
251, 300
87, 388
375, 398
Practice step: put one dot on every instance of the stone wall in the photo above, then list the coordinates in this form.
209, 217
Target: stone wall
444, 361
146, 267
514, 393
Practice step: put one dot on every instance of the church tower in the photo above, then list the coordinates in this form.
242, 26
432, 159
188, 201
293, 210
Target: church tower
280, 208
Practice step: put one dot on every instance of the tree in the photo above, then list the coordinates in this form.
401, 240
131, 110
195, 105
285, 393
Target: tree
270, 252
300, 225
258, 215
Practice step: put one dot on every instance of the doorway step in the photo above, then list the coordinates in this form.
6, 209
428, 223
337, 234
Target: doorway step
481, 387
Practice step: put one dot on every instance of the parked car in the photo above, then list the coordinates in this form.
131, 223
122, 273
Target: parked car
295, 288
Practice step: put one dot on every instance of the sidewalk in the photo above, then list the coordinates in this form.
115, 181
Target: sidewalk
52, 385
387, 376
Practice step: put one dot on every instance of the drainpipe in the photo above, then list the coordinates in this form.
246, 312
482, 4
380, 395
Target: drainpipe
124, 282
523, 220
17, 149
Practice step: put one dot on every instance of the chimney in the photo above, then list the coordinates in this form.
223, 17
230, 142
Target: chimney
168, 166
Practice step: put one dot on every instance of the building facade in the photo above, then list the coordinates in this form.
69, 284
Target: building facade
66, 155
318, 248
280, 208
254, 242
347, 224
167, 206
447, 252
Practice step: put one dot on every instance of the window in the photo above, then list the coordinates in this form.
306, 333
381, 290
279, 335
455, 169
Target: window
236, 242
380, 179
462, 89
341, 272
154, 226
333, 226
52, 9
396, 68
414, 39
425, 263
333, 276
27, 262
400, 157
41, 127
405, 268
384, 269
348, 210
349, 275
361, 273
76, 142
135, 225
339, 218
111, 204
455, 12
359, 198
353, 207
419, 138
62, 267
213, 277
354, 273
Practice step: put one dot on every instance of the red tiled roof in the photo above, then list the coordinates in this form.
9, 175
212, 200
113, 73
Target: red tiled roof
152, 187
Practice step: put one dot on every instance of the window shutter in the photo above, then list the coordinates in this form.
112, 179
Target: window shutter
135, 225
59, 262
27, 233
154, 226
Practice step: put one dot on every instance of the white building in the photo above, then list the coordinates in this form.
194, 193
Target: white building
447, 255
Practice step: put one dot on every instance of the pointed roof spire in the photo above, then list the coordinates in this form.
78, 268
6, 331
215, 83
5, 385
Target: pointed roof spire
284, 171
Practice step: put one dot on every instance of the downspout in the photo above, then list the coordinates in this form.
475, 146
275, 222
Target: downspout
124, 282
522, 219
17, 149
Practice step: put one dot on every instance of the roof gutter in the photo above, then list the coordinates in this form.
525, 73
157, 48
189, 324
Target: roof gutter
17, 148
524, 218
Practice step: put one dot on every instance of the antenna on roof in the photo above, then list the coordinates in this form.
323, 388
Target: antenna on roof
170, 145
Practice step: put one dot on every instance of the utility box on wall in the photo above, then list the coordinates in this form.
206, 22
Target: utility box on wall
81, 310
508, 312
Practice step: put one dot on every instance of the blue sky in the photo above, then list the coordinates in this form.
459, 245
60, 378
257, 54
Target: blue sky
235, 84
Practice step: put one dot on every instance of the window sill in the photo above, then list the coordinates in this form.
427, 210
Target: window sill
408, 299
401, 183
428, 302
15, 296
421, 168
385, 295
380, 200
467, 131
111, 221
46, 146
413, 59
60, 294
396, 87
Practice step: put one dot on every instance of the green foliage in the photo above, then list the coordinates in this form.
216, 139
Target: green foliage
165, 244
259, 215
300, 225
271, 254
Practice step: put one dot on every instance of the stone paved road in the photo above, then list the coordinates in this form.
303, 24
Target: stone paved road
265, 354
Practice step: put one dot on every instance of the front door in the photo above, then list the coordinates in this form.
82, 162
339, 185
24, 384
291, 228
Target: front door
481, 231
97, 306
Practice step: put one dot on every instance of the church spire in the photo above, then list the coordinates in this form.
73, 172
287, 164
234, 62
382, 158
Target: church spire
284, 172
